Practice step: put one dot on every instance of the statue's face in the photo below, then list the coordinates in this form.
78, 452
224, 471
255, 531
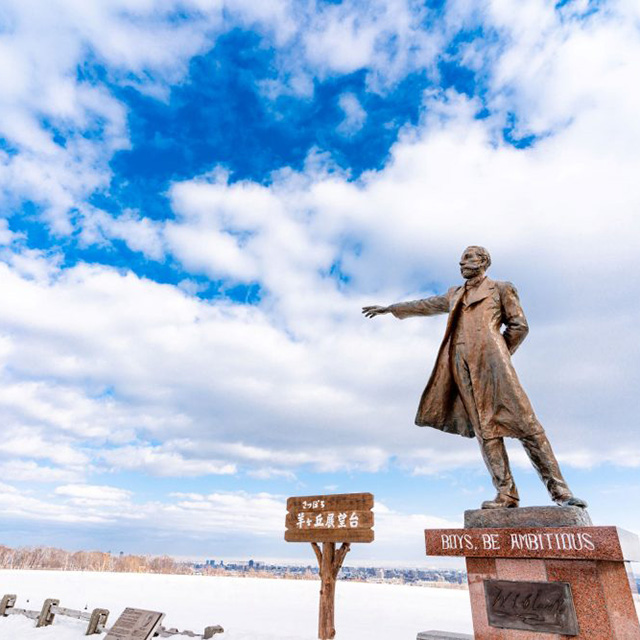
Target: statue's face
471, 264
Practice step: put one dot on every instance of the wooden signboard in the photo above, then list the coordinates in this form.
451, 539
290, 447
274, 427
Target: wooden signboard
345, 517
340, 518
135, 624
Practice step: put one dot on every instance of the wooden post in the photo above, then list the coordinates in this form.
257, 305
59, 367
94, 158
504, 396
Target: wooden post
46, 615
329, 520
330, 561
97, 622
8, 602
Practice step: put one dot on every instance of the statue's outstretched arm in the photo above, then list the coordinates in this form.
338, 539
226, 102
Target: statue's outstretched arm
375, 310
425, 307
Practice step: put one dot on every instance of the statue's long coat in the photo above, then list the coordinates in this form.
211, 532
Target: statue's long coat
502, 405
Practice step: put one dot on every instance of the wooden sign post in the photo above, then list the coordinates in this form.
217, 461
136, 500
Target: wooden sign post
341, 518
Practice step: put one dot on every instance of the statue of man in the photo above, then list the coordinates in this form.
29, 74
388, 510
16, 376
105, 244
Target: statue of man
474, 390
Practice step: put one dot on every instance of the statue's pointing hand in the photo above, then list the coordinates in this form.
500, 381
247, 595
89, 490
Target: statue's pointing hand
375, 310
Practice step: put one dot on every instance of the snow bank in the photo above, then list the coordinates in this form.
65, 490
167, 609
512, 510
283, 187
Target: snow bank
247, 608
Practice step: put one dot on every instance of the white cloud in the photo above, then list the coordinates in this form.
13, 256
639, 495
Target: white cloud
559, 217
138, 233
61, 409
266, 473
95, 357
194, 515
25, 442
388, 39
354, 115
7, 488
158, 461
94, 495
395, 529
75, 503
259, 513
47, 89
343, 45
29, 471
22, 506
6, 235
255, 517
62, 123
426, 462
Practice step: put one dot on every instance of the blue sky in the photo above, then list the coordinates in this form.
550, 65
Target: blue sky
198, 197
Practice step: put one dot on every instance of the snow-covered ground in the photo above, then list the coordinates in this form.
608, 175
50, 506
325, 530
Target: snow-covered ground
247, 608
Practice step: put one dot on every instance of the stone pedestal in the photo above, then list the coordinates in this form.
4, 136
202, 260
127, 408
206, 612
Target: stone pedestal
544, 573
443, 635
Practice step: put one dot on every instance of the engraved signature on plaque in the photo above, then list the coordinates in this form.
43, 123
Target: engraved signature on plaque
135, 624
545, 607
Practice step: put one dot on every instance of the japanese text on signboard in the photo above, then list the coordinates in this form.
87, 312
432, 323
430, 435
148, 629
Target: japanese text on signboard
340, 518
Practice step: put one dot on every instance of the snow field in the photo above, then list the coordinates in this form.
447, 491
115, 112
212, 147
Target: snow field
247, 608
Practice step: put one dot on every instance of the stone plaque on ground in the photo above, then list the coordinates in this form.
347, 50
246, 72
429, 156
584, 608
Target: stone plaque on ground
545, 607
135, 624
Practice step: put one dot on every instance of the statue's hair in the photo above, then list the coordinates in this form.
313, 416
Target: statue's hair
483, 253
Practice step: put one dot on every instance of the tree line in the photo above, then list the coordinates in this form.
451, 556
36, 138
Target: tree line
52, 558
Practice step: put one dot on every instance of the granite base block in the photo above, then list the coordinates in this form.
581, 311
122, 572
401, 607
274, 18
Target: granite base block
602, 598
526, 517
530, 548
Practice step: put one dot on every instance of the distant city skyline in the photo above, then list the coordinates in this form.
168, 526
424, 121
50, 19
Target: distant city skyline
198, 199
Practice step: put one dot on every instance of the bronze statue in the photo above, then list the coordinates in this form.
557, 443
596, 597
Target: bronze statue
474, 390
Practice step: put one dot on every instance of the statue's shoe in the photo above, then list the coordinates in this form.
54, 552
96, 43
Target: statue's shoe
501, 502
571, 501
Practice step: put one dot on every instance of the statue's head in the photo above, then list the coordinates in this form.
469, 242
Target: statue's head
474, 261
